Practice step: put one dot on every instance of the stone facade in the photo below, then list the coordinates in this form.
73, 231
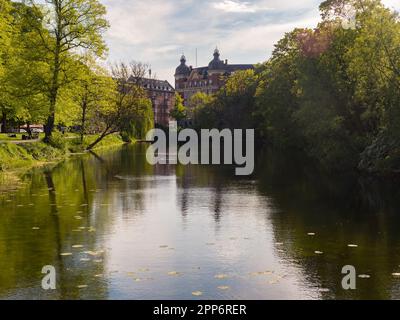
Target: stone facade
162, 96
189, 80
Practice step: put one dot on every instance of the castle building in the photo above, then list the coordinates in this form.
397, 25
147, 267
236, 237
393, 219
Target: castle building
162, 96
189, 80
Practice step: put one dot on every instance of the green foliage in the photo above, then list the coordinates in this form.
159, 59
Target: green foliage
201, 110
58, 141
179, 111
141, 122
14, 156
222, 109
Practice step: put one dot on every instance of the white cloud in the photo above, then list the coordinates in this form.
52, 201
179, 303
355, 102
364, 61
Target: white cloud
159, 31
238, 7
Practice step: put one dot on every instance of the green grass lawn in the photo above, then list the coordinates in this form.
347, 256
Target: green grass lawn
5, 136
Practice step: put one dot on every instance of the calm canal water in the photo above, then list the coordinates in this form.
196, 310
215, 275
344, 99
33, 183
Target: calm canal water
115, 227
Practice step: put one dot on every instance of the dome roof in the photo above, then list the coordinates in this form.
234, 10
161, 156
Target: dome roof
182, 69
216, 63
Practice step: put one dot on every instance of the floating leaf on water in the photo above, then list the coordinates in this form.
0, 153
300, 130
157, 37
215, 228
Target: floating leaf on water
352, 246
318, 252
364, 276
76, 246
65, 254
82, 286
35, 228
221, 276
223, 288
311, 234
197, 293
262, 273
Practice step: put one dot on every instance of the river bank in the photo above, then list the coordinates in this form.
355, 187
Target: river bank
15, 157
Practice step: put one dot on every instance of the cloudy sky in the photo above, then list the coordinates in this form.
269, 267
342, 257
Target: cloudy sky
159, 31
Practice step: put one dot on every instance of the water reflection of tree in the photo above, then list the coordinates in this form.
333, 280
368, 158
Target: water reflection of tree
341, 209
57, 195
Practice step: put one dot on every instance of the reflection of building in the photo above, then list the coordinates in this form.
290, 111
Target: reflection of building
209, 80
162, 96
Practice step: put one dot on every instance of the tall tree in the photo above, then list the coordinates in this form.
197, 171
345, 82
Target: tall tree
72, 25
130, 107
5, 48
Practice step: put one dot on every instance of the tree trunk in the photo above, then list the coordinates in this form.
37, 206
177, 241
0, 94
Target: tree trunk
101, 137
28, 129
83, 123
4, 122
53, 92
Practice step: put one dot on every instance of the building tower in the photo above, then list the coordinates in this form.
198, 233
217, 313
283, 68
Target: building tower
182, 74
